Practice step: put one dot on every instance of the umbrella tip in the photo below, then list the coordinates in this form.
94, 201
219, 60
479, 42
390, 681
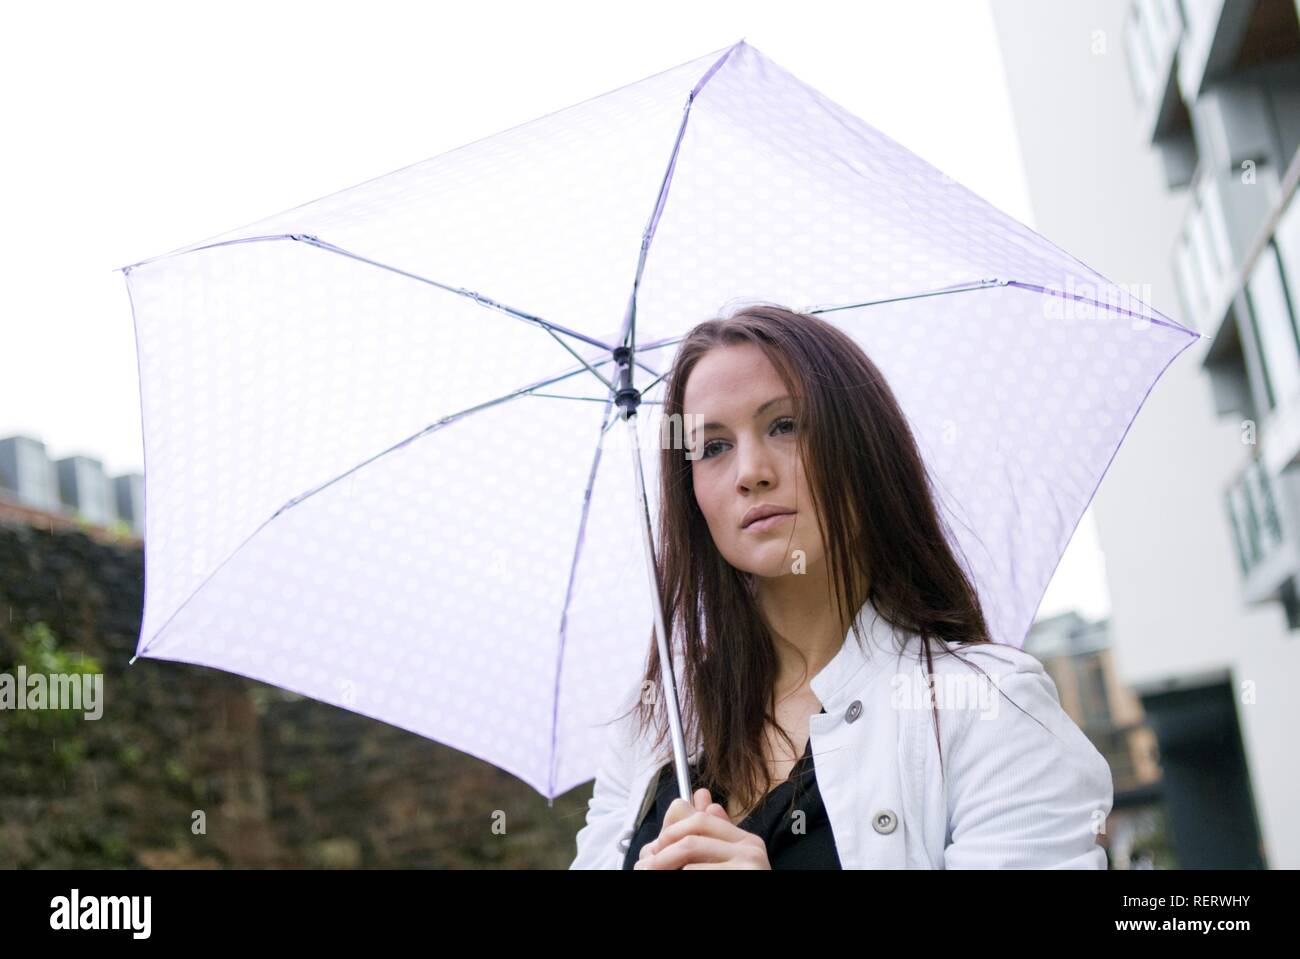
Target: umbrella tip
133, 659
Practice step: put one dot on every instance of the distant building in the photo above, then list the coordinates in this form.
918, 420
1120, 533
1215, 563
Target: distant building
27, 473
84, 487
74, 485
128, 494
1076, 654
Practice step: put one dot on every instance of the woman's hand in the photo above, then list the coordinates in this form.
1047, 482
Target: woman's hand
702, 838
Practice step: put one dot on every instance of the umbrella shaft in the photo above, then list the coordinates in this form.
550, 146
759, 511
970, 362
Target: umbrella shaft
661, 632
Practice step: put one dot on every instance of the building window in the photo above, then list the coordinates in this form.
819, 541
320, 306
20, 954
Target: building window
1252, 509
1287, 237
1204, 257
1189, 276
1215, 225
1238, 515
1274, 325
1092, 691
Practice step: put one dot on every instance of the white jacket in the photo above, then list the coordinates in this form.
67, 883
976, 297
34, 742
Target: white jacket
1017, 795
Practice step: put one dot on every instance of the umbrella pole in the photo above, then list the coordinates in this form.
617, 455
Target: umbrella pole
628, 399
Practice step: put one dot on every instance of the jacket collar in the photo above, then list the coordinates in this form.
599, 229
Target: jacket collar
842, 679
838, 681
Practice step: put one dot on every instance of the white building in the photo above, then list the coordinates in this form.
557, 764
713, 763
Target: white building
1159, 141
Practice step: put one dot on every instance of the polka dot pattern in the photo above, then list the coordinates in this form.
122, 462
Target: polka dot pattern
321, 517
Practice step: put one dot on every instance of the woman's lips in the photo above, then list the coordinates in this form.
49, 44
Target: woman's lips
771, 522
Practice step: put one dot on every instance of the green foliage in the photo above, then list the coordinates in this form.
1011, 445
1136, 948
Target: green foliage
175, 771
115, 847
120, 527
40, 652
69, 753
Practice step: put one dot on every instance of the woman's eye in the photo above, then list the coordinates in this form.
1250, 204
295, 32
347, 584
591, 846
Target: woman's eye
783, 421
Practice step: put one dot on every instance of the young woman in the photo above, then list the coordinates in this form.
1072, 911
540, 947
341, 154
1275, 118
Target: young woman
799, 532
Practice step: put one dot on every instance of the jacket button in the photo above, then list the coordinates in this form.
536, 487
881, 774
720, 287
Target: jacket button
854, 711
884, 821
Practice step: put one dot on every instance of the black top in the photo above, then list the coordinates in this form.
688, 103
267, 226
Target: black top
773, 819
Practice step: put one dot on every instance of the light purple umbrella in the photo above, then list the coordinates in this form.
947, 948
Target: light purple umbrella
374, 423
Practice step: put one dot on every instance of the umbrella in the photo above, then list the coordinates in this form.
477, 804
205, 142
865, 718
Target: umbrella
376, 425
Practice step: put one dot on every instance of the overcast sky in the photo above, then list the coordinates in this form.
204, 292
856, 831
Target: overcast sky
133, 129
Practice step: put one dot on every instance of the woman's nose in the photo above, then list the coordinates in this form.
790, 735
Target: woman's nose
755, 469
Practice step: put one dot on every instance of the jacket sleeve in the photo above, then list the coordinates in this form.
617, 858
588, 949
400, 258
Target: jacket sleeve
597, 841
1021, 796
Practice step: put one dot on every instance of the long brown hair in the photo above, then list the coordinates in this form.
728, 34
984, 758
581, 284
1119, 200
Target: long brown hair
882, 532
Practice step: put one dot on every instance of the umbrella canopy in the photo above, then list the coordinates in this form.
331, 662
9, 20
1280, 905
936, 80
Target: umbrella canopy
378, 465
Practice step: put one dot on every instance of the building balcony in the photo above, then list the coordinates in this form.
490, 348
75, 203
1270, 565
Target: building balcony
1261, 512
1151, 40
1221, 227
1222, 37
1254, 359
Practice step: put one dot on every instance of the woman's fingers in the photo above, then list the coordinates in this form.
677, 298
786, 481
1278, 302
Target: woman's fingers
703, 835
691, 848
677, 811
696, 851
701, 823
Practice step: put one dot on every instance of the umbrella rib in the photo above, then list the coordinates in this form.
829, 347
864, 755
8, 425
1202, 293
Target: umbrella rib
984, 284
588, 399
451, 418
1018, 284
957, 288
648, 368
962, 287
652, 384
628, 333
459, 291
550, 327
568, 597
657, 344
1158, 320
608, 385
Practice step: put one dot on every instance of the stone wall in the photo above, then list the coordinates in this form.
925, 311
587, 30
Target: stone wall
274, 779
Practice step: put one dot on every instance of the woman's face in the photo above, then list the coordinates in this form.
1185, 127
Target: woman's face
750, 458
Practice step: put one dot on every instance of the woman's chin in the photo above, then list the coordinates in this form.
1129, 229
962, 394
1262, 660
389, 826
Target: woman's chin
771, 570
